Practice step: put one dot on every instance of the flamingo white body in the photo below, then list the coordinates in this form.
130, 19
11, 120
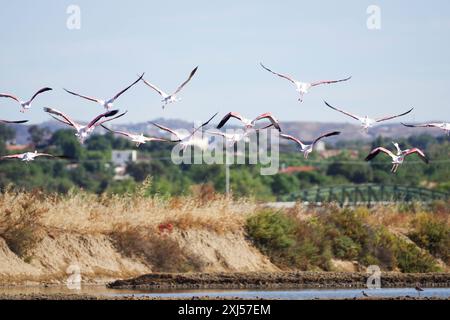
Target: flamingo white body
141, 139
201, 143
170, 98
27, 156
250, 124
232, 138
365, 121
25, 104
440, 125
398, 158
303, 87
137, 138
84, 131
306, 149
188, 140
109, 103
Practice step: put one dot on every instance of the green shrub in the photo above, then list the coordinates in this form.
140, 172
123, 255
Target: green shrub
349, 223
411, 259
433, 235
381, 248
346, 248
343, 234
312, 249
271, 230
289, 242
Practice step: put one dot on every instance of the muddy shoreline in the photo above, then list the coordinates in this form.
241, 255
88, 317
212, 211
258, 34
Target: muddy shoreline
275, 280
55, 297
241, 280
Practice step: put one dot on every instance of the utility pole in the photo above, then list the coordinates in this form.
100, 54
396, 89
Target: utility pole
227, 179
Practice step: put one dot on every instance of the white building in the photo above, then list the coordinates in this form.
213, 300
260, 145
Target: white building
120, 158
320, 146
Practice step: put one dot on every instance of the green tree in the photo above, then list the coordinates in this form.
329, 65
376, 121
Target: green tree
67, 144
38, 134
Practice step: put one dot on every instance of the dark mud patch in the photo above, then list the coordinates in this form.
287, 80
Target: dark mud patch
276, 280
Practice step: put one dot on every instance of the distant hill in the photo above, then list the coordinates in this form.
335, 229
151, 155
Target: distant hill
305, 130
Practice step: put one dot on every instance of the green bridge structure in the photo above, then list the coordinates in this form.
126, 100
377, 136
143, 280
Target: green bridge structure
366, 194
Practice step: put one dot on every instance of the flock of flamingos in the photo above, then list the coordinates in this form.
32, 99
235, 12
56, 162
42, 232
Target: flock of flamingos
188, 140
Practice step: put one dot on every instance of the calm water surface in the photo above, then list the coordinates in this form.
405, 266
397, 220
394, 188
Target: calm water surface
294, 294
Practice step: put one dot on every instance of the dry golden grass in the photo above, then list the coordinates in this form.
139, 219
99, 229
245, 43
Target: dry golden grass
402, 219
89, 213
396, 216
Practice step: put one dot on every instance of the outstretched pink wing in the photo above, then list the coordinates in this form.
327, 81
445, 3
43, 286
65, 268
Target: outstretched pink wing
67, 120
393, 117
13, 156
270, 117
279, 74
342, 111
6, 95
227, 117
329, 134
289, 137
123, 91
317, 83
82, 96
184, 83
419, 152
376, 151
39, 92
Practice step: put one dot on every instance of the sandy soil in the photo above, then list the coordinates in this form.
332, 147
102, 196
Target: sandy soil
99, 261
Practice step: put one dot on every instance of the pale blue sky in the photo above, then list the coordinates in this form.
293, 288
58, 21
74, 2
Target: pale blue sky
404, 64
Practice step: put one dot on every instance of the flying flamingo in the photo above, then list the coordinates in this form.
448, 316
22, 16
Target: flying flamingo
107, 104
308, 148
27, 156
187, 140
441, 125
138, 138
170, 98
249, 124
367, 122
235, 137
303, 87
399, 157
25, 104
83, 131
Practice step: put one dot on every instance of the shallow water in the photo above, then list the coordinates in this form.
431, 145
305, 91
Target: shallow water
294, 294
299, 294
